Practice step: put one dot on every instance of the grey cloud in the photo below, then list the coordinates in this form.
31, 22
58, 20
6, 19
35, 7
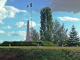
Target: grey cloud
65, 5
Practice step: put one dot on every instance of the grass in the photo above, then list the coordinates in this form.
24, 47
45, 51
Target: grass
42, 47
39, 53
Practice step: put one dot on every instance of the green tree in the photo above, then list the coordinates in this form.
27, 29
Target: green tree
63, 36
55, 33
46, 24
35, 35
59, 34
73, 37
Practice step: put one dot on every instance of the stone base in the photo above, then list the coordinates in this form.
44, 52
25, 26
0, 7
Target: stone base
38, 45
9, 45
28, 40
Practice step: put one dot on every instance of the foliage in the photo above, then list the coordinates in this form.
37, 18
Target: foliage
55, 37
46, 24
46, 43
77, 43
29, 43
63, 35
52, 31
35, 35
59, 35
73, 38
38, 54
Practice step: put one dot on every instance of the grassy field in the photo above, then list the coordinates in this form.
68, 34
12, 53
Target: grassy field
43, 47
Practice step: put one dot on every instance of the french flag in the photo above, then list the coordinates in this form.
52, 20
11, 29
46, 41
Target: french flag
29, 5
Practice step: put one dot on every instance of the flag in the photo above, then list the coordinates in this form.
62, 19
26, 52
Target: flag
29, 5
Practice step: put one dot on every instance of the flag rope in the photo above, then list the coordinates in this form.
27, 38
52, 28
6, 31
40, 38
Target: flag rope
31, 22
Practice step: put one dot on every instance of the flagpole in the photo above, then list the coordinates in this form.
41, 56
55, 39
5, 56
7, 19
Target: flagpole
31, 23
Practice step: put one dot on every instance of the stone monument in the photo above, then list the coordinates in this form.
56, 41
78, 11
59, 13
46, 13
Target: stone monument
9, 45
77, 45
27, 34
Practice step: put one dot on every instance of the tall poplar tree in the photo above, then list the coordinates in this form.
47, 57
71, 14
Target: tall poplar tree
73, 38
46, 24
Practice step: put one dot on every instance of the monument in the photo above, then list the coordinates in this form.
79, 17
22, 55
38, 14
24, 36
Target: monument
27, 34
9, 45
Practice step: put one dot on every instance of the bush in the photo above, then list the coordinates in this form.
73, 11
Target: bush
78, 43
46, 43
27, 43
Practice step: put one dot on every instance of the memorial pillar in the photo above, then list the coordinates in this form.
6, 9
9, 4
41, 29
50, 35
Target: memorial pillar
27, 34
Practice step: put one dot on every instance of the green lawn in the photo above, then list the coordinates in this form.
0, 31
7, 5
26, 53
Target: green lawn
41, 47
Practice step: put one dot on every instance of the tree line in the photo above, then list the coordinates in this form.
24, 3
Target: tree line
52, 31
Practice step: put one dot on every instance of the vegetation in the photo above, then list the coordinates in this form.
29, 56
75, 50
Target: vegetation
35, 35
46, 24
54, 31
38, 54
29, 43
59, 34
73, 39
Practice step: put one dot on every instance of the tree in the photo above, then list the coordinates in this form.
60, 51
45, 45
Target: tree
73, 37
55, 37
35, 35
46, 24
63, 36
59, 33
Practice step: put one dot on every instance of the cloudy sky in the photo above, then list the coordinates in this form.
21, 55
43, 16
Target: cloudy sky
14, 15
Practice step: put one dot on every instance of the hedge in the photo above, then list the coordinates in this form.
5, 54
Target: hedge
27, 43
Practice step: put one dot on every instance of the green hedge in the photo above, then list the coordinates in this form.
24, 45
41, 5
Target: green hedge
48, 43
27, 43
78, 43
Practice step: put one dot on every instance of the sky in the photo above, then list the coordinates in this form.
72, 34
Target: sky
14, 15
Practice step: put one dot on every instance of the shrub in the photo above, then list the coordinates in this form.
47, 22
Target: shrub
78, 43
28, 43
